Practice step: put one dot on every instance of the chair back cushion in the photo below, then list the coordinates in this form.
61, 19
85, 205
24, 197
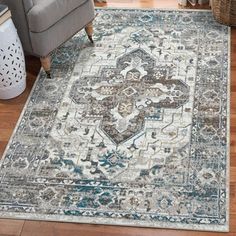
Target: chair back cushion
42, 14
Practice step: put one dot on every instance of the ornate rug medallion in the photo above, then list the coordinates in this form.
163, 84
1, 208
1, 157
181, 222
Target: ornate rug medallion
130, 131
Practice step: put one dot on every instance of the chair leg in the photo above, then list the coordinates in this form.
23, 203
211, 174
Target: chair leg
89, 31
46, 64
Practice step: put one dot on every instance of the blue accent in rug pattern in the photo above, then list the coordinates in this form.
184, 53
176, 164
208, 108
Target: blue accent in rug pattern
131, 130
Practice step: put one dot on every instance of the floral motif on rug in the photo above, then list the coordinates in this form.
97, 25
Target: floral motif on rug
132, 130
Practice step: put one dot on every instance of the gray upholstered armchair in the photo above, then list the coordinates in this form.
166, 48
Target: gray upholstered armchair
43, 25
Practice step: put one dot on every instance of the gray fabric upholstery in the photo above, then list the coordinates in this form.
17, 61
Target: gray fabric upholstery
28, 4
43, 25
69, 25
45, 13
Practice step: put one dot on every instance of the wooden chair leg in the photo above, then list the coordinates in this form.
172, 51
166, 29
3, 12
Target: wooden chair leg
46, 64
89, 31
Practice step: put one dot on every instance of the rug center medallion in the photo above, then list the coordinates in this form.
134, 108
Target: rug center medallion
130, 93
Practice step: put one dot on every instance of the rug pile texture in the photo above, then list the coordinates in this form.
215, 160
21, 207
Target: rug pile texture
133, 130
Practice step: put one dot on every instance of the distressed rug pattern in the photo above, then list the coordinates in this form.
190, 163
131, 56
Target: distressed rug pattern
130, 131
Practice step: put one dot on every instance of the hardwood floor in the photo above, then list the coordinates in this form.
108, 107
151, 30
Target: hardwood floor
9, 114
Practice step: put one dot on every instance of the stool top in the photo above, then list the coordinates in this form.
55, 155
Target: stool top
3, 9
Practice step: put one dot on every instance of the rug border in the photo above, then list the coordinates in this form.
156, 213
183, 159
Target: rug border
21, 115
120, 222
113, 222
228, 130
150, 9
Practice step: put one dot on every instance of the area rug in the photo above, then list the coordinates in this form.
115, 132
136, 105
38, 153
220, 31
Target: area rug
133, 130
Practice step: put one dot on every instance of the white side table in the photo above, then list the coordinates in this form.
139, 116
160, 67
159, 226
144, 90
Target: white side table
12, 62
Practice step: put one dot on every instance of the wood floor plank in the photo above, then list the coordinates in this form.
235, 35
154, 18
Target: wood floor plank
33, 228
11, 109
11, 227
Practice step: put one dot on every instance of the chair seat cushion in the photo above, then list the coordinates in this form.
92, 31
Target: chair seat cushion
45, 13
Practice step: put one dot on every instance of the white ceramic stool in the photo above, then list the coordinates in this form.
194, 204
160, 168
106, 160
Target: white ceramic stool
12, 62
